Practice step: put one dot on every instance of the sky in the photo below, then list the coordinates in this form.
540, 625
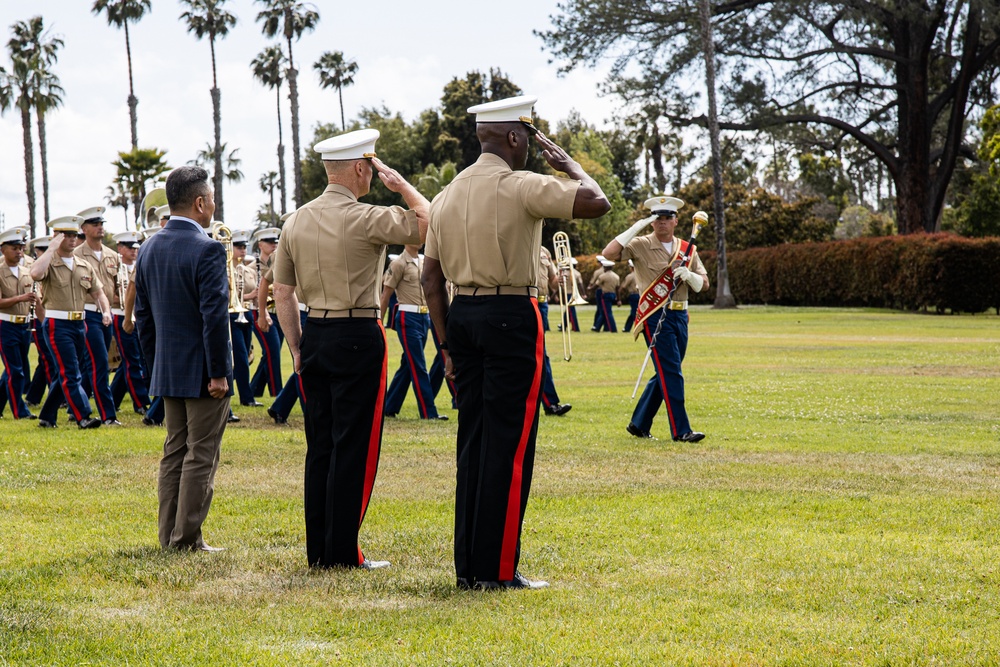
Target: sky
406, 52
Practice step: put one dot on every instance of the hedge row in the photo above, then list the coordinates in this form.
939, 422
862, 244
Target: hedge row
940, 272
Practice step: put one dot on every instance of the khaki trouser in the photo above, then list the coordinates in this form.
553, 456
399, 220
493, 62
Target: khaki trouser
187, 469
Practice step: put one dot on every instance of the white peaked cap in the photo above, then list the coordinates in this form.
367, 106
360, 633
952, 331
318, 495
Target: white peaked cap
127, 238
17, 235
286, 216
66, 223
266, 234
508, 110
92, 213
663, 203
607, 263
162, 212
351, 146
241, 236
149, 231
40, 242
393, 257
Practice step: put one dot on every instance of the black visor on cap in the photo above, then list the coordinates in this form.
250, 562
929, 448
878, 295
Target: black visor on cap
94, 221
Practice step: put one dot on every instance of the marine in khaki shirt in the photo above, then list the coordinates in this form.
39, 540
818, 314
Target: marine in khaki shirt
66, 288
403, 278
15, 283
651, 258
608, 281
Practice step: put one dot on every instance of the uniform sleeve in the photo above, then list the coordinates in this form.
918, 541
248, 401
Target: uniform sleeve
548, 196
394, 274
97, 285
696, 265
431, 244
283, 269
391, 225
630, 250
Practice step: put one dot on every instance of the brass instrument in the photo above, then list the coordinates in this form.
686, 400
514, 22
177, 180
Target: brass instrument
123, 281
31, 308
225, 237
569, 295
153, 200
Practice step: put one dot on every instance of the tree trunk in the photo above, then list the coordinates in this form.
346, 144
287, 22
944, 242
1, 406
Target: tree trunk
340, 94
29, 162
657, 154
723, 297
281, 159
220, 213
270, 191
133, 101
43, 154
293, 95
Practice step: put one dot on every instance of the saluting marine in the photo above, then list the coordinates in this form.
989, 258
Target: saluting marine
17, 301
45, 369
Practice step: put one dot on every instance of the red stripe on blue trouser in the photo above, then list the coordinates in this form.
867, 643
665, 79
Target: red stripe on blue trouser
671, 344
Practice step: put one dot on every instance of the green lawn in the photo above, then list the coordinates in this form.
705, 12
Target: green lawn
842, 510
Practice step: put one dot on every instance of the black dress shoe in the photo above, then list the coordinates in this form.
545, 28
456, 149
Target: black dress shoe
278, 419
638, 432
45, 424
111, 422
30, 415
559, 409
252, 404
465, 584
149, 422
89, 422
690, 436
232, 419
391, 414
139, 411
519, 581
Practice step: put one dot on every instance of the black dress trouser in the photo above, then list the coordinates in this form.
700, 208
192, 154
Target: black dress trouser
496, 345
343, 373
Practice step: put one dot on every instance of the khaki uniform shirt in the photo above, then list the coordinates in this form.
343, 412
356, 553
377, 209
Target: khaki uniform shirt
486, 225
608, 281
650, 259
11, 286
66, 289
334, 249
546, 269
403, 275
629, 285
106, 269
578, 277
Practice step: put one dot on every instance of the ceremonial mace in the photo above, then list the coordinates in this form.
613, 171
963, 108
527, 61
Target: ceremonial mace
700, 218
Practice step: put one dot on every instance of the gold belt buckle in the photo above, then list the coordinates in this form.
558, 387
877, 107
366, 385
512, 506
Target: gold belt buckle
423, 310
19, 319
542, 298
75, 315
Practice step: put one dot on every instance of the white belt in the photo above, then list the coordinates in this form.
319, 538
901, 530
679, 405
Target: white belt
678, 305
303, 307
64, 314
407, 308
118, 311
14, 319
92, 307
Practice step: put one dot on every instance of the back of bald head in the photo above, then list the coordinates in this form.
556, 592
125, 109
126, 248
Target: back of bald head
494, 133
339, 168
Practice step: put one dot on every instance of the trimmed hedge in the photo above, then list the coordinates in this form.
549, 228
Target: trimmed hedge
941, 272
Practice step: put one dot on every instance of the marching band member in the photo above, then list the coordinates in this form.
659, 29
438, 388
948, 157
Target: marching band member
66, 281
607, 286
266, 327
659, 260
485, 235
245, 277
104, 261
131, 375
332, 252
17, 299
548, 280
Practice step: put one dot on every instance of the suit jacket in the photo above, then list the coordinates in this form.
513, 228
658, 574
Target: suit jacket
182, 311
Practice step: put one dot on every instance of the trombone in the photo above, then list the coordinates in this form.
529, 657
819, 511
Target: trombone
224, 236
569, 295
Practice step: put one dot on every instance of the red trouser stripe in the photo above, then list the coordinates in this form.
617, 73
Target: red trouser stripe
663, 385
512, 522
124, 358
271, 384
375, 439
43, 358
421, 399
11, 394
62, 370
93, 376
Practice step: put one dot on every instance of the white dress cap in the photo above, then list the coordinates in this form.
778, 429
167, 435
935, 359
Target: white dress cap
92, 214
162, 212
393, 257
267, 234
67, 224
40, 242
351, 146
510, 110
149, 231
18, 235
286, 216
241, 236
600, 258
130, 239
607, 263
663, 204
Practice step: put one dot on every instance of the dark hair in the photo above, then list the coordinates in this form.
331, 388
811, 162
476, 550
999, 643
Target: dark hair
184, 185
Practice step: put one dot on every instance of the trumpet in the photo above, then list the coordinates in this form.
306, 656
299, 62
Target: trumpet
569, 295
224, 236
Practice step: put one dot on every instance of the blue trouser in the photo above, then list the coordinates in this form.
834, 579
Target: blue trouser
268, 371
436, 373
155, 412
667, 355
633, 304
130, 376
599, 314
285, 400
68, 342
15, 341
543, 308
607, 304
574, 323
549, 395
45, 370
412, 331
241, 357
95, 364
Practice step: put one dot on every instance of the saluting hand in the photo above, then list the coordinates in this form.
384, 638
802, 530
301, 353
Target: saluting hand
390, 177
557, 158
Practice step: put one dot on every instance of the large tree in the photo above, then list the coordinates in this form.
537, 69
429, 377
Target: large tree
268, 67
901, 78
209, 18
137, 169
290, 18
120, 13
336, 72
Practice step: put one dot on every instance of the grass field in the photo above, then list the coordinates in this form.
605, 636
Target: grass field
843, 510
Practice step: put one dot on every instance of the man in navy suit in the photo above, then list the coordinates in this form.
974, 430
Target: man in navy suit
182, 314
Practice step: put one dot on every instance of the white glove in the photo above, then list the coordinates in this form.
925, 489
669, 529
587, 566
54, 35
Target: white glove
690, 277
634, 230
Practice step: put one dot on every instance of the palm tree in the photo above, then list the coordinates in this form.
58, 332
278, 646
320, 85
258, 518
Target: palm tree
268, 68
267, 183
291, 18
119, 14
32, 43
136, 169
18, 82
207, 17
335, 72
209, 156
115, 196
